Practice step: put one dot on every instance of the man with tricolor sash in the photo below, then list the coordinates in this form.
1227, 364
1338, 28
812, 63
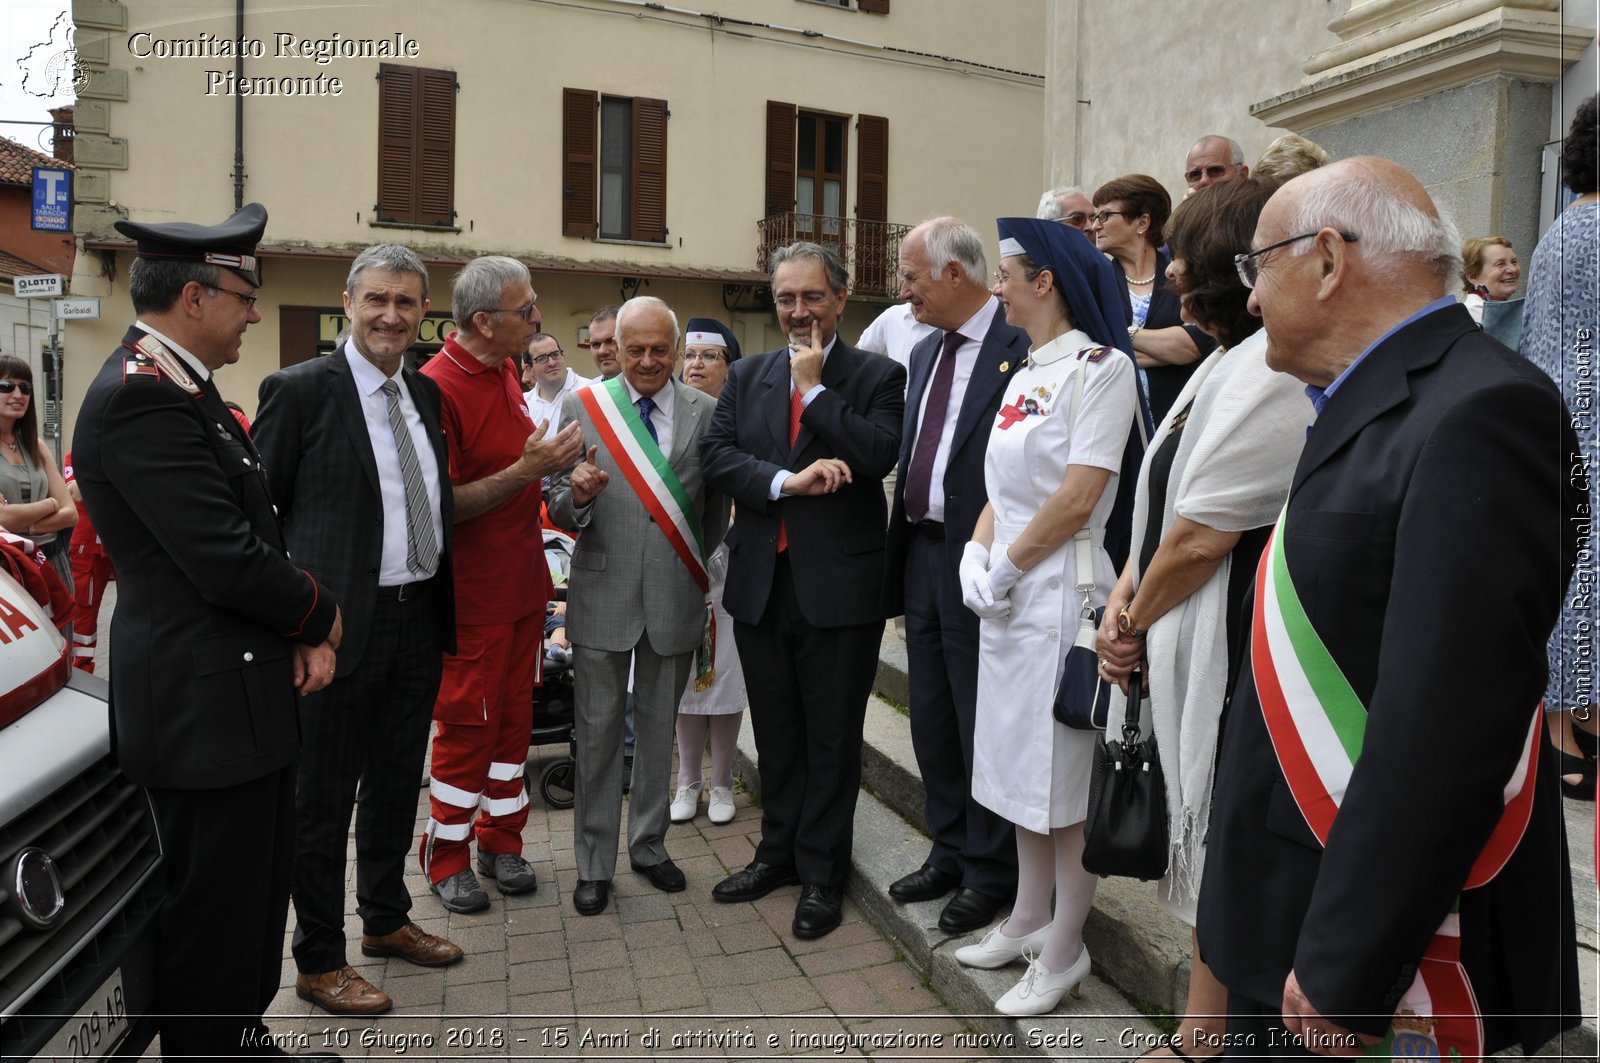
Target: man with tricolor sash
1386, 870
643, 517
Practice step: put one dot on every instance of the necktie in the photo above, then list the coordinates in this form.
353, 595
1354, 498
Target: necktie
422, 552
646, 405
919, 474
797, 406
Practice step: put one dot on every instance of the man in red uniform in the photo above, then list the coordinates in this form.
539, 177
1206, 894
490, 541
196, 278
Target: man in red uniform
485, 707
91, 571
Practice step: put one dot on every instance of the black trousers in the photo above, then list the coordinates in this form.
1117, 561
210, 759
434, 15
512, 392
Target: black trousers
227, 855
808, 691
969, 841
369, 730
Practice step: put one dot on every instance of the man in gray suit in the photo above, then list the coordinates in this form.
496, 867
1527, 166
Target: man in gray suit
637, 590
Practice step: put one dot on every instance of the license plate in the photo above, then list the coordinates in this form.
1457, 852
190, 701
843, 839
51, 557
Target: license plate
94, 1031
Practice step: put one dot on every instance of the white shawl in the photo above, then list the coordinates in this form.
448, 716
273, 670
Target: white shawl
1231, 472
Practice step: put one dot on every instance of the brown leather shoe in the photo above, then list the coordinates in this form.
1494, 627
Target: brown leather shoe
343, 992
414, 945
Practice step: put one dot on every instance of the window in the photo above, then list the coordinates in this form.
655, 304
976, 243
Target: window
808, 167
614, 167
416, 145
870, 7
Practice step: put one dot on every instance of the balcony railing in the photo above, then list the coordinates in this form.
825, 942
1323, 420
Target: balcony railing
870, 249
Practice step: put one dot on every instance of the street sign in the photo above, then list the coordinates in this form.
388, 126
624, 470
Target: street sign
52, 199
76, 309
40, 284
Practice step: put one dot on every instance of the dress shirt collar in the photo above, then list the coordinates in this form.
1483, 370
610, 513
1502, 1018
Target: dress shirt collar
176, 348
369, 378
977, 326
1319, 396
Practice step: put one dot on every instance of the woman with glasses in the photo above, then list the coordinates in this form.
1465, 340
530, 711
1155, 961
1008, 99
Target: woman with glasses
1129, 215
33, 497
711, 708
1215, 476
1050, 471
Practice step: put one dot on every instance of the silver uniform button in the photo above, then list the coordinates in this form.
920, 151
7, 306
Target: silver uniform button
248, 656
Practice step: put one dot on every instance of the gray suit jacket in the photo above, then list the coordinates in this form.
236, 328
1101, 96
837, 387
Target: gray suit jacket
626, 581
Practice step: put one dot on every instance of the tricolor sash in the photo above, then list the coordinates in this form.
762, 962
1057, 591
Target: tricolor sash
1317, 725
645, 467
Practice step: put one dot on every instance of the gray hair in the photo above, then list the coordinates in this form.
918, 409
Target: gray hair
948, 240
1235, 152
827, 257
639, 303
391, 257
480, 286
1050, 203
154, 284
1389, 225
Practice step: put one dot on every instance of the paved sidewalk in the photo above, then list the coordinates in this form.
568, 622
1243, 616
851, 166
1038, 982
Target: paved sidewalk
657, 974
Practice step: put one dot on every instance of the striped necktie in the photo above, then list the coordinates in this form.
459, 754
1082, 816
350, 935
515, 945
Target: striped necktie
422, 551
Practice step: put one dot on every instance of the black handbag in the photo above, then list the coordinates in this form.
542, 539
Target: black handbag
1083, 699
1125, 833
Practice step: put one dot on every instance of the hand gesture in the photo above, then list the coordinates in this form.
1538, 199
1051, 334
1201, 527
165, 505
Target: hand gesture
588, 479
313, 667
973, 573
541, 456
805, 364
1119, 654
822, 477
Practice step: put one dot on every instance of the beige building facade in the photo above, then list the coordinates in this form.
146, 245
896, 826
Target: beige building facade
618, 147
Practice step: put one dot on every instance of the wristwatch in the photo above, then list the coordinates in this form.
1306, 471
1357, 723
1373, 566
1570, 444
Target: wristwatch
1125, 625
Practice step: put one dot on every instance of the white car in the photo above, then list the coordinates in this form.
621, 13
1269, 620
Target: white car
79, 888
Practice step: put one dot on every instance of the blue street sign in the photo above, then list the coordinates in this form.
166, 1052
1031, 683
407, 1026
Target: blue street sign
52, 199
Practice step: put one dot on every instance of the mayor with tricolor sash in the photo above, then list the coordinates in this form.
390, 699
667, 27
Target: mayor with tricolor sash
1386, 871
645, 523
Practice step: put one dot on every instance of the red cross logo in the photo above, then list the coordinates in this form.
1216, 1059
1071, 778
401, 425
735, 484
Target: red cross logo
1010, 415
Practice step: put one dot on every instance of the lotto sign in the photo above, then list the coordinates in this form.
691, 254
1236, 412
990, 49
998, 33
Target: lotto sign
52, 199
39, 284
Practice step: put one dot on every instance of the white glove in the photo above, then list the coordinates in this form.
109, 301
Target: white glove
973, 573
1003, 575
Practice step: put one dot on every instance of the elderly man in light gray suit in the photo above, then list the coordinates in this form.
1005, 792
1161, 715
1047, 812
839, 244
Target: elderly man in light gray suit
637, 590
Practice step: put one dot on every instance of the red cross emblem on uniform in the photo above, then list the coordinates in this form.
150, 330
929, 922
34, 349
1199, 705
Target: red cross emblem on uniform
1010, 415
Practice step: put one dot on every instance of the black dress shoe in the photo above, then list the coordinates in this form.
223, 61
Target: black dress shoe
924, 884
754, 882
819, 911
664, 876
591, 895
968, 910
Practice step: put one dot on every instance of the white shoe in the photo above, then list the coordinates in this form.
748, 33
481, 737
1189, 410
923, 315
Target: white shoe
997, 950
684, 803
1040, 991
719, 806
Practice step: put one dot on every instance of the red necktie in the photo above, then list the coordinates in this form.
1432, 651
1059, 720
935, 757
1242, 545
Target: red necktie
919, 473
797, 406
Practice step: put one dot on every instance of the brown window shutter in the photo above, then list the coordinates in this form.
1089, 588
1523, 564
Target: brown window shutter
872, 168
780, 158
873, 7
436, 155
397, 143
580, 135
649, 169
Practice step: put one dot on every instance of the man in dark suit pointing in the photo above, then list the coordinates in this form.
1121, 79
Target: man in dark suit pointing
801, 440
357, 465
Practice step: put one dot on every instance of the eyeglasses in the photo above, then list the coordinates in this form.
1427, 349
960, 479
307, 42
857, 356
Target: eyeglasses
525, 311
541, 359
813, 300
1099, 216
1249, 263
8, 386
1215, 171
249, 301
702, 356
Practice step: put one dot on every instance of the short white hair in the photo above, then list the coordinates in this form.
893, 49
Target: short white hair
948, 240
1050, 203
639, 303
1388, 224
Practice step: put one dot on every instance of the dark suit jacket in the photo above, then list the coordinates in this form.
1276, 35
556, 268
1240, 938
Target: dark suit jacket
208, 602
318, 455
1430, 538
836, 541
964, 494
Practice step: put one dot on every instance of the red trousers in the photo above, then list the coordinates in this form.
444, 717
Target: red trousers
91, 571
484, 715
